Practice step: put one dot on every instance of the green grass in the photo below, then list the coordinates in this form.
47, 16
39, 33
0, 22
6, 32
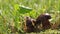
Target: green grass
10, 14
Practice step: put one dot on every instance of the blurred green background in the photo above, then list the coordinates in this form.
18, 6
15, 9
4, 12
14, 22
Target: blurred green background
12, 13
